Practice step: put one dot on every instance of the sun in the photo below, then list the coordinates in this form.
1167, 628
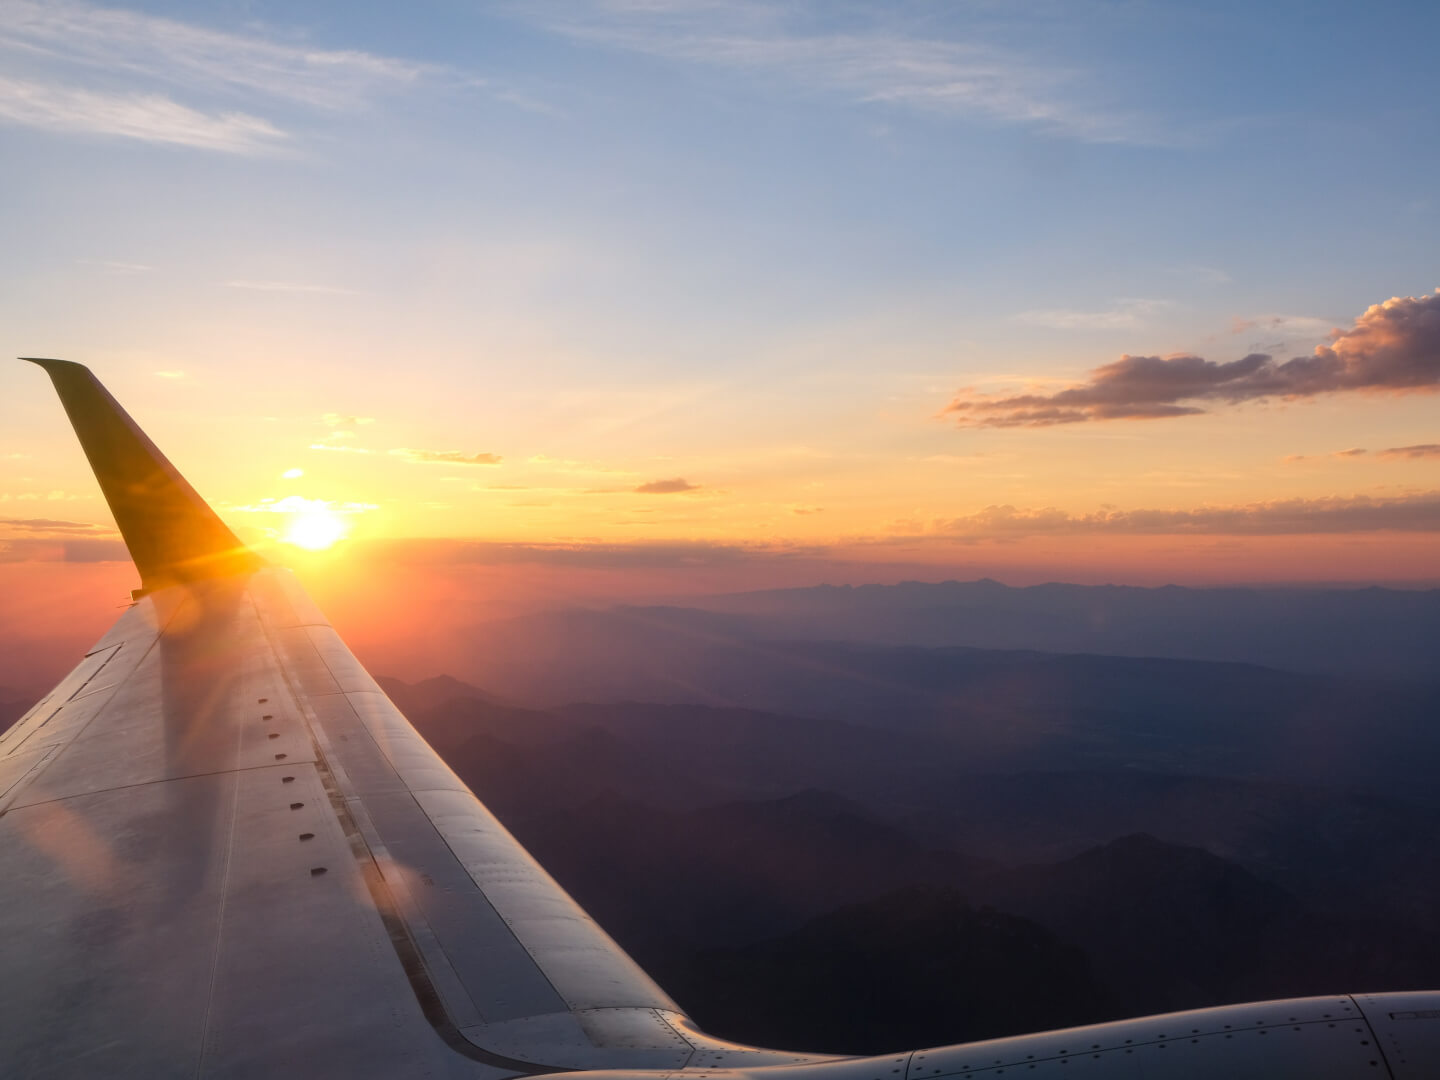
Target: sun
315, 528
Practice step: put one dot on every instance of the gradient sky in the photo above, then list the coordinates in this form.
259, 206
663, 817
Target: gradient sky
702, 281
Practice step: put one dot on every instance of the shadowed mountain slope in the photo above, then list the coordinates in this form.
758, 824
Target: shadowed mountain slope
917, 967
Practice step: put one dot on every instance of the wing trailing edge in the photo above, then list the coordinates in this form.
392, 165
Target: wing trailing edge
171, 532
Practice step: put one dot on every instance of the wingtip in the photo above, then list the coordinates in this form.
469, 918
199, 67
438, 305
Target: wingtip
50, 363
172, 533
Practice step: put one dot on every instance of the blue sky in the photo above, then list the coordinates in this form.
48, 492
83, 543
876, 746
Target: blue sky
760, 246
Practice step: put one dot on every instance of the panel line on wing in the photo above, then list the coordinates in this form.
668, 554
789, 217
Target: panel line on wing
397, 928
224, 893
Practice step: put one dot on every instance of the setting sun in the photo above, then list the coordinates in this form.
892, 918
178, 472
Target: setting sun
314, 528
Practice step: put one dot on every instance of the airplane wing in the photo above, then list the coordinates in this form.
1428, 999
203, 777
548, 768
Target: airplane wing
225, 853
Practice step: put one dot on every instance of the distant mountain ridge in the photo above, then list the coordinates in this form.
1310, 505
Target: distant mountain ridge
1368, 632
1009, 710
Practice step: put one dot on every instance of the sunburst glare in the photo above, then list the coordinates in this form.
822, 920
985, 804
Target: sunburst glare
315, 528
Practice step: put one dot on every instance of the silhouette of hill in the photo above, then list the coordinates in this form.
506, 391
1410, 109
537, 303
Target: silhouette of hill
427, 693
528, 760
1370, 632
1340, 851
1004, 711
731, 873
917, 967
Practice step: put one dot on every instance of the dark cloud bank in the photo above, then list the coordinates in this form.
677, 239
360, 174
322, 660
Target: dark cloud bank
1394, 347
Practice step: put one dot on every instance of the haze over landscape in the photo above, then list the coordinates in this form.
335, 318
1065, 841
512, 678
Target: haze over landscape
953, 488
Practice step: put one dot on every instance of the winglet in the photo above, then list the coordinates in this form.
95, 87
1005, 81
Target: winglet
171, 532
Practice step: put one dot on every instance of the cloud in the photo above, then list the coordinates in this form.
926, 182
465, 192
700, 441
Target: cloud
169, 374
805, 511
445, 457
340, 449
584, 554
118, 41
1354, 452
666, 487
298, 504
291, 287
1393, 347
1338, 514
1417, 452
113, 267
35, 549
344, 420
1124, 314
49, 525
1284, 326
75, 67
877, 62
146, 116
571, 465
1420, 450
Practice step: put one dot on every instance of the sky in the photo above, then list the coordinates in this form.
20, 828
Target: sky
735, 294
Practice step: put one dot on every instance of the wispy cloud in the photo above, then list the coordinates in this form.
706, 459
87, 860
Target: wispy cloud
680, 555
114, 40
673, 486
1123, 314
445, 457
1393, 347
77, 550
1284, 326
114, 267
879, 62
50, 525
146, 116
75, 67
1348, 514
340, 448
1418, 451
291, 287
298, 504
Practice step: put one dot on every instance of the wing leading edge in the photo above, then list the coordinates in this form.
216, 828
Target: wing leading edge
227, 854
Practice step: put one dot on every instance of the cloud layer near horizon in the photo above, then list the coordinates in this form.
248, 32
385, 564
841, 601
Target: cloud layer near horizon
1418, 512
1413, 513
1393, 347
